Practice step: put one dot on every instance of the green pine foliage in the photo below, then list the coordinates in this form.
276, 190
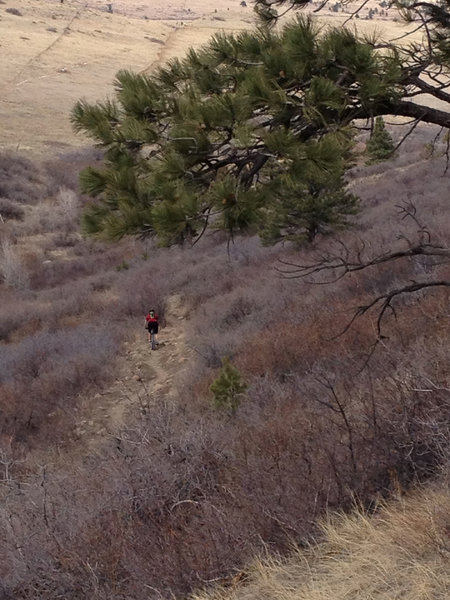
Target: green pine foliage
229, 388
380, 145
251, 133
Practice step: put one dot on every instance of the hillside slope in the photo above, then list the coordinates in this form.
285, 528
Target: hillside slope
119, 477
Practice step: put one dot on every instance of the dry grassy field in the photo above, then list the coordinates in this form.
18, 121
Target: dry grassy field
53, 54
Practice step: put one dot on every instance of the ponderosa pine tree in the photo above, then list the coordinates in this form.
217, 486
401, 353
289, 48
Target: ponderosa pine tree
251, 133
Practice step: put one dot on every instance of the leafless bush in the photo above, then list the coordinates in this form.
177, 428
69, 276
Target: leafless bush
10, 210
12, 267
189, 495
67, 209
11, 317
45, 372
59, 214
64, 170
185, 494
56, 271
21, 180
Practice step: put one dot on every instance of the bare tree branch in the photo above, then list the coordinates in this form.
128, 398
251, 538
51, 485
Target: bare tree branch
335, 266
342, 262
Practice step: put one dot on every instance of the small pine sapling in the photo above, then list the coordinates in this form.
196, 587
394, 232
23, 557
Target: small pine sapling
228, 388
380, 145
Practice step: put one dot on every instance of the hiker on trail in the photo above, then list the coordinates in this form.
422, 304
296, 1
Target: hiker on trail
151, 324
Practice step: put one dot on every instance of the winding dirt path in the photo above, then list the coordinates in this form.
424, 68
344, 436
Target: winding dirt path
160, 57
143, 377
16, 81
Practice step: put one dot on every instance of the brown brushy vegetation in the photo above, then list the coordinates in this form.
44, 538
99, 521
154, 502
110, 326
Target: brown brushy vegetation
187, 494
20, 180
57, 333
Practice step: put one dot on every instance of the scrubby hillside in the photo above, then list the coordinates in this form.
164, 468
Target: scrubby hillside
177, 492
292, 382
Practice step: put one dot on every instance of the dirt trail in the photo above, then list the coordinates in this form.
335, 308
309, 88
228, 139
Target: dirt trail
16, 81
192, 34
143, 376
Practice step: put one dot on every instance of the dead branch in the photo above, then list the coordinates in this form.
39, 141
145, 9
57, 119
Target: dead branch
384, 301
330, 268
344, 265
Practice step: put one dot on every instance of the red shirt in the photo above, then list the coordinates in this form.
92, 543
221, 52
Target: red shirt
150, 319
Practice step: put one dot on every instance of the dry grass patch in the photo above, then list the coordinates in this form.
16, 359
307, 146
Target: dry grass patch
403, 551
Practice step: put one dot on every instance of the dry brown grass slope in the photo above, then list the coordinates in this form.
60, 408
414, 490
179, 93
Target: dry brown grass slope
402, 552
53, 54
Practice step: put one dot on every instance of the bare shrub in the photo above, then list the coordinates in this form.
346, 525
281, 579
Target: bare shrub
10, 210
67, 209
11, 317
12, 268
44, 372
66, 305
186, 494
64, 169
67, 239
21, 180
57, 271
71, 304
190, 494
400, 549
59, 214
